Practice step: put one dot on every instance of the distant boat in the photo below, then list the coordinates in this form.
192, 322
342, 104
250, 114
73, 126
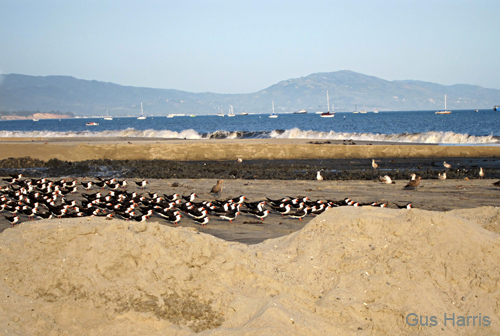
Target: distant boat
300, 112
221, 113
142, 117
170, 116
107, 117
243, 113
92, 123
327, 114
273, 115
35, 119
445, 111
231, 111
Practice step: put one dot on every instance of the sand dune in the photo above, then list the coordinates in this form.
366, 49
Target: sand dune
348, 271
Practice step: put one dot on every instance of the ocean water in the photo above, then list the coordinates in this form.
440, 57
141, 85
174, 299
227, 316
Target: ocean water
459, 127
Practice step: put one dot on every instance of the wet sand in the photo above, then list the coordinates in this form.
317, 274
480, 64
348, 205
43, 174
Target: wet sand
79, 149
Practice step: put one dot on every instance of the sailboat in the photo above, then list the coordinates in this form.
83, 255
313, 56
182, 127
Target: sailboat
142, 117
445, 111
327, 114
231, 111
273, 115
221, 113
107, 117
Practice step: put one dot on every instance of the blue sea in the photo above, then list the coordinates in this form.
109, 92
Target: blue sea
460, 127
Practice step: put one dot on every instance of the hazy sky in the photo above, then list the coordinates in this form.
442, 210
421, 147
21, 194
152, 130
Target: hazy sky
233, 46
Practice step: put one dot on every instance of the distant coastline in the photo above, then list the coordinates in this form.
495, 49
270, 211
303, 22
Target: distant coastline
348, 90
36, 115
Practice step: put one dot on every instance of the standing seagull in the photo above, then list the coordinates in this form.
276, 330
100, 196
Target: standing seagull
319, 177
446, 165
374, 165
442, 176
217, 189
481, 172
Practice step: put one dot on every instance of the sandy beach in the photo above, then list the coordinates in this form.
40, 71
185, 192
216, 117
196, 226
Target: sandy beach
351, 270
79, 149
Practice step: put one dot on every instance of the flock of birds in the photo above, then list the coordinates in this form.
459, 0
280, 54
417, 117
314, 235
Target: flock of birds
414, 180
44, 199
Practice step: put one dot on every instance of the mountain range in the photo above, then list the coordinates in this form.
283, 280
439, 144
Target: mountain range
348, 91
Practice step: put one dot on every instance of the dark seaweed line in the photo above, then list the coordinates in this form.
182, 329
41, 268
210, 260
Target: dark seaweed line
256, 169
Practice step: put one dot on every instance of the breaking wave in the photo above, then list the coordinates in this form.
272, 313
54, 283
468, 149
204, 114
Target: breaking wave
294, 133
427, 137
126, 133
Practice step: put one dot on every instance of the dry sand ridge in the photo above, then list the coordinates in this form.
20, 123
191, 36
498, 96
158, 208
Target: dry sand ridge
349, 271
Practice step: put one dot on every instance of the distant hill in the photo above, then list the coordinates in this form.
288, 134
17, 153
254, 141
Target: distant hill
348, 90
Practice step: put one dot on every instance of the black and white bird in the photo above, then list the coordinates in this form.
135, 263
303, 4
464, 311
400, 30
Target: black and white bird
142, 184
196, 213
299, 213
173, 216
284, 209
230, 215
259, 214
258, 205
87, 185
202, 221
406, 206
13, 220
190, 198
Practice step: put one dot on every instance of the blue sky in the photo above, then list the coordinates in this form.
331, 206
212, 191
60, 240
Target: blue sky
232, 46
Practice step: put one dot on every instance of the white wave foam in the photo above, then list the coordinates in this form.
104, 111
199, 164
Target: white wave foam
428, 137
129, 132
295, 133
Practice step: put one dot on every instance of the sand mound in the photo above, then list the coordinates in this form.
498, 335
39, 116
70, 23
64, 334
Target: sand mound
350, 270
